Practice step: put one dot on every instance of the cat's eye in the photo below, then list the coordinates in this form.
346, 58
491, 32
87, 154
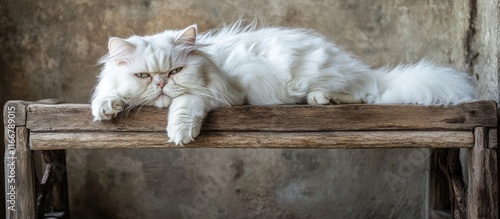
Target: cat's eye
142, 75
175, 71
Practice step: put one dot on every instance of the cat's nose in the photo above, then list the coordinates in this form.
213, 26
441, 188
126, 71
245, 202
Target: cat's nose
161, 84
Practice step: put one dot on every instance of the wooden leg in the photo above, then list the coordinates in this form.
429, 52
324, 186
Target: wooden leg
439, 193
449, 195
53, 193
19, 169
482, 194
20, 178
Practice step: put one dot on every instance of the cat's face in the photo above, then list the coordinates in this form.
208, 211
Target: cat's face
153, 70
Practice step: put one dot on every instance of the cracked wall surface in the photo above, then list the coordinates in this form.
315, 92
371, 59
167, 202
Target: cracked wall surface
49, 50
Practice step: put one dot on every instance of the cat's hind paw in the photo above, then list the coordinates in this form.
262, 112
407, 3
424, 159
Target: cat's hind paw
317, 98
106, 109
321, 98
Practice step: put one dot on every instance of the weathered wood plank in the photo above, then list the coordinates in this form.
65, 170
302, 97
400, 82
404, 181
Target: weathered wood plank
359, 139
439, 193
53, 192
277, 118
14, 112
453, 170
493, 139
482, 194
20, 178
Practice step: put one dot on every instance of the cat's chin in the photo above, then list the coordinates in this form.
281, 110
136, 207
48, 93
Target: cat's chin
162, 101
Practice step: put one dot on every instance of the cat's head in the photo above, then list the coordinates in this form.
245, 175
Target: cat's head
151, 70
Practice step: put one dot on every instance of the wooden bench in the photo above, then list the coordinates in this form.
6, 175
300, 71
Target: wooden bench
53, 128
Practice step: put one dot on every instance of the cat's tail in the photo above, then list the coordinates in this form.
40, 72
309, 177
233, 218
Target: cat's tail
423, 83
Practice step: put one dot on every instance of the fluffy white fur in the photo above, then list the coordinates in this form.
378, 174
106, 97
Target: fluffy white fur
194, 73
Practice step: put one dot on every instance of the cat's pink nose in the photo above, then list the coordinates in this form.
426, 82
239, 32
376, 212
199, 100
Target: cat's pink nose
161, 84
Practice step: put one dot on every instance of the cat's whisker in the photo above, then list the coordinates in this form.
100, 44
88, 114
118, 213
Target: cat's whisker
139, 109
219, 96
135, 102
221, 100
225, 98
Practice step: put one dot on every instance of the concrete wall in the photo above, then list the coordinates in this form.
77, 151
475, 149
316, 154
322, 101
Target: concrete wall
483, 54
49, 49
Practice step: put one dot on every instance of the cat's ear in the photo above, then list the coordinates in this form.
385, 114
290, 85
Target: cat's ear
120, 50
187, 36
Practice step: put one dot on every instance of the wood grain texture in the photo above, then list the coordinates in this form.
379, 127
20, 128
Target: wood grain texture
53, 192
18, 107
453, 170
55, 127
23, 186
439, 192
482, 194
493, 139
353, 139
68, 117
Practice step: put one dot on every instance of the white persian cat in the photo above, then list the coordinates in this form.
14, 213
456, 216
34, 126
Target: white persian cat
194, 73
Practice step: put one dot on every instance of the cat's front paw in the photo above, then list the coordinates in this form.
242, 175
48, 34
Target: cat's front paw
182, 133
106, 109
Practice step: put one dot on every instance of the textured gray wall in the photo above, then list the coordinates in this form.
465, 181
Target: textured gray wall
52, 45
49, 49
483, 56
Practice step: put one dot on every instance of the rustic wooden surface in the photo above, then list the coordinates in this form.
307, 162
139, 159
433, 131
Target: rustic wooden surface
25, 205
55, 127
439, 192
493, 138
350, 139
67, 117
482, 194
25, 182
52, 197
449, 162
20, 111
